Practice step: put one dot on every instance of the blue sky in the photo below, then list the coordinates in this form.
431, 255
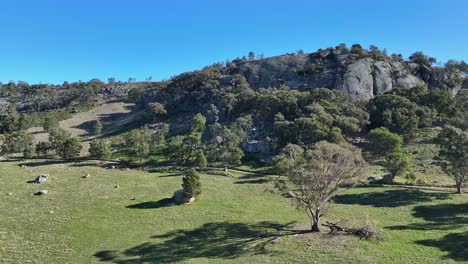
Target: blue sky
50, 41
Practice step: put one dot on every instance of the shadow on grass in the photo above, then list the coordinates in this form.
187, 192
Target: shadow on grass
166, 202
219, 240
440, 217
390, 198
252, 179
49, 162
455, 244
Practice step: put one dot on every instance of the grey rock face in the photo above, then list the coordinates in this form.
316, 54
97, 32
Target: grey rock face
358, 81
360, 77
382, 77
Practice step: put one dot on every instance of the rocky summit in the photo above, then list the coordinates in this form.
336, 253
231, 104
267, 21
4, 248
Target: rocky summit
361, 74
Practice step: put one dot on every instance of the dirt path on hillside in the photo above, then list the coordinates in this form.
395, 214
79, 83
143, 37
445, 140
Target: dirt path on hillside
113, 115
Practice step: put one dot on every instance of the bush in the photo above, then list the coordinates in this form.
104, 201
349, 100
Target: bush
191, 184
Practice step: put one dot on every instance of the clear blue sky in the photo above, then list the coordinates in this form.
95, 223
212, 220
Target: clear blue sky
50, 41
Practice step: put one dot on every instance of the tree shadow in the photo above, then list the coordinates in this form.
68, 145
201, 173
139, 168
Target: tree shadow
390, 198
252, 179
440, 216
49, 162
443, 217
166, 202
455, 244
219, 240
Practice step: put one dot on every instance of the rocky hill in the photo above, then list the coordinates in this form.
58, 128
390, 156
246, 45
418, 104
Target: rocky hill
360, 73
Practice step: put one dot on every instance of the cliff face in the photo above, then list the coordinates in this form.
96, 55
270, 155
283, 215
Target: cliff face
360, 76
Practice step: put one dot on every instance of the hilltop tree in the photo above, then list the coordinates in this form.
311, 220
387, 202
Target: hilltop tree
314, 176
454, 154
251, 55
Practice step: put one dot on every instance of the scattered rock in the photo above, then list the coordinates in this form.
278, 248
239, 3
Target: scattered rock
289, 194
24, 166
9, 194
51, 212
180, 198
41, 178
116, 186
133, 198
113, 167
86, 176
42, 192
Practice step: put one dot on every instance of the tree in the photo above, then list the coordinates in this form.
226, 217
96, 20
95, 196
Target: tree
138, 142
16, 142
397, 163
383, 142
9, 120
43, 148
50, 122
97, 127
100, 149
28, 152
200, 160
315, 175
394, 112
251, 55
191, 184
420, 58
70, 148
454, 154
198, 123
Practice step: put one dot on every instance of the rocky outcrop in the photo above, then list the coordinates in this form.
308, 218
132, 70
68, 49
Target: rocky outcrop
360, 76
358, 82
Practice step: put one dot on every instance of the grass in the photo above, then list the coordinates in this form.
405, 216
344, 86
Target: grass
237, 220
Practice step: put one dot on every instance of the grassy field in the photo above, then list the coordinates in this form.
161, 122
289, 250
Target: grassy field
126, 216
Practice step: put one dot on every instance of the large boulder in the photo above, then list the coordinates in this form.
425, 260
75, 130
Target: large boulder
180, 198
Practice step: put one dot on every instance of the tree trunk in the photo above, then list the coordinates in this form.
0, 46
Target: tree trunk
459, 188
316, 221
